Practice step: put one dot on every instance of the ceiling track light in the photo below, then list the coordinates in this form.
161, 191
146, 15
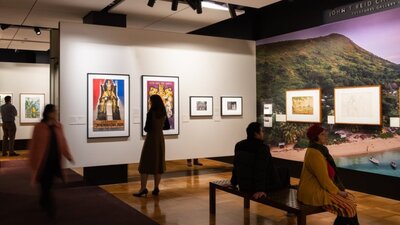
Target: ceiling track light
195, 5
174, 6
5, 26
37, 30
151, 3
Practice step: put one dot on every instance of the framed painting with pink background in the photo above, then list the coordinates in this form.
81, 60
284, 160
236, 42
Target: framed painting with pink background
167, 87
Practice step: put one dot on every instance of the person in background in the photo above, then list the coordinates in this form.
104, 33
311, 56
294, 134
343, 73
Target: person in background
195, 162
8, 114
47, 146
319, 183
152, 159
253, 167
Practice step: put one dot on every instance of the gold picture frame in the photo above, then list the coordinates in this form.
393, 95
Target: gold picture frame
303, 105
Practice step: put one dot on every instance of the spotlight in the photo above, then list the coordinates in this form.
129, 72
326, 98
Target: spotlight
174, 6
5, 26
151, 3
37, 30
199, 9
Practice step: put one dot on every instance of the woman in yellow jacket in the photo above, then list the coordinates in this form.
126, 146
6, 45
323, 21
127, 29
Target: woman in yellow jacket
319, 183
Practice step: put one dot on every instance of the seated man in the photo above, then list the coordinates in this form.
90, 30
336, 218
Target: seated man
253, 168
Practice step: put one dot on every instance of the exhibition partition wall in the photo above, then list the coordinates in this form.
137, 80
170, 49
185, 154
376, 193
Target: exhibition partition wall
355, 66
29, 83
197, 65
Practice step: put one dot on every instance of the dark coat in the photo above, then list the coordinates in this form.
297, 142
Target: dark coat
253, 168
39, 147
152, 160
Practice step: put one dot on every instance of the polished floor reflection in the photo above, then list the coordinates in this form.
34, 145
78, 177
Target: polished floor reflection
184, 200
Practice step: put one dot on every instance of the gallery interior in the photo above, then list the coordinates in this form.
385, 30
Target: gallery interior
218, 66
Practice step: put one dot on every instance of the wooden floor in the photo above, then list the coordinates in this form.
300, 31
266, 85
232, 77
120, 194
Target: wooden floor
183, 200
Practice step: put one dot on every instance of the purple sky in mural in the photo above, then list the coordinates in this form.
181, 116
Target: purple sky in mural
378, 33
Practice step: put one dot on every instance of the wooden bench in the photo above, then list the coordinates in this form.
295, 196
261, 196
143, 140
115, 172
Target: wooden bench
285, 199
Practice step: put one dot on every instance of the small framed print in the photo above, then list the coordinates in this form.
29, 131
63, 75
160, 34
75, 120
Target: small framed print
32, 106
201, 106
231, 106
303, 105
267, 121
267, 109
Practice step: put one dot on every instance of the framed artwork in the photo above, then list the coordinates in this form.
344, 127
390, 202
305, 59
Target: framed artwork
358, 105
303, 105
167, 87
32, 106
2, 102
108, 105
231, 106
267, 121
201, 106
267, 109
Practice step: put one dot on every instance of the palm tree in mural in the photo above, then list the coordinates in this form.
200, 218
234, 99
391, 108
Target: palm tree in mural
32, 108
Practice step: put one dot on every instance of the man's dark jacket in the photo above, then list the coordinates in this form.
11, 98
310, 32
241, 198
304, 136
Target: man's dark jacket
253, 168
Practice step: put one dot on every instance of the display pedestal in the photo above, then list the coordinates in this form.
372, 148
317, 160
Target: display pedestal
112, 174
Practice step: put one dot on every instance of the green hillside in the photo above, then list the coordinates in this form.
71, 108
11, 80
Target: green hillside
326, 62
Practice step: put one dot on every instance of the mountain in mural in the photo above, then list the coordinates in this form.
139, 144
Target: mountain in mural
327, 62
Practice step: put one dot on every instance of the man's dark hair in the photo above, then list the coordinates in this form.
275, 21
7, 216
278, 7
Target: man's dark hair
253, 128
7, 98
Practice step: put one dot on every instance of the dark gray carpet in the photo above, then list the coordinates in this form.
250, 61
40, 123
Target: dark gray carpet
76, 203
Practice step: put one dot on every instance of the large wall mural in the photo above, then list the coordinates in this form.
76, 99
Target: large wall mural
352, 53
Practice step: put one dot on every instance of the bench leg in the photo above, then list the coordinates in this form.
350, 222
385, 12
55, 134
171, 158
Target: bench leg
212, 199
246, 203
301, 220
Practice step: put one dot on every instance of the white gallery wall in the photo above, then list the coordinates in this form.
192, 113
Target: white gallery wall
17, 78
206, 66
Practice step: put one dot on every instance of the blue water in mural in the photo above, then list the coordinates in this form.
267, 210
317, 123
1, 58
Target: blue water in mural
362, 163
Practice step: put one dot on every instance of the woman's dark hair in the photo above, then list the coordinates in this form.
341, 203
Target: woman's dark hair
157, 106
253, 128
49, 108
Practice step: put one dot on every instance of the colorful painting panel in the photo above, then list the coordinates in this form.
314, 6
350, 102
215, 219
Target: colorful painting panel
108, 105
32, 106
167, 87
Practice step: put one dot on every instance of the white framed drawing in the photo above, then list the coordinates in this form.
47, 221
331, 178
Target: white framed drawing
303, 105
358, 105
231, 106
31, 107
201, 106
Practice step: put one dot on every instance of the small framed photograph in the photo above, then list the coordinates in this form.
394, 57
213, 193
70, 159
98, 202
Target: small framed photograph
267, 109
32, 106
201, 106
303, 105
267, 121
231, 106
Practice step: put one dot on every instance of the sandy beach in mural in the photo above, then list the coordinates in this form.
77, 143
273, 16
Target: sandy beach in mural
353, 147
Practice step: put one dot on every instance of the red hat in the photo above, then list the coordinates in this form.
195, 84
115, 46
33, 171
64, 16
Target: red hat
314, 131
